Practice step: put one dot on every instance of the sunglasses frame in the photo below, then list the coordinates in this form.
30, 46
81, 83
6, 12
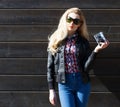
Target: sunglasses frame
75, 21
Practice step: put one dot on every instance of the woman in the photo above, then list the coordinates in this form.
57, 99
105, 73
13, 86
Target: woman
70, 59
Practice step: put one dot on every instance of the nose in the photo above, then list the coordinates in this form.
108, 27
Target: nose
71, 23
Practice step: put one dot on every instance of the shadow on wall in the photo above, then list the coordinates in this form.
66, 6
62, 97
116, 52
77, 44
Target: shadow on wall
106, 82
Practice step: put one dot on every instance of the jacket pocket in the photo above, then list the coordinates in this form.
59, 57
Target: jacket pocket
61, 76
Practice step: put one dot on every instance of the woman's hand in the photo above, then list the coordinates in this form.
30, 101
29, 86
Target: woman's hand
52, 97
101, 46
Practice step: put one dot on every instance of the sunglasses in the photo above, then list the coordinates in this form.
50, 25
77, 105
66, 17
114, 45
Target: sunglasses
75, 21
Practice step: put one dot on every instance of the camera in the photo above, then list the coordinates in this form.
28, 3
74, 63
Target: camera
99, 37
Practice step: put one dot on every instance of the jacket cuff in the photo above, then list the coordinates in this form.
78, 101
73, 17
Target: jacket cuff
51, 85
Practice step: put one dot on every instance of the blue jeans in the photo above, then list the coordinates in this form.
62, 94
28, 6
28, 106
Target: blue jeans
74, 93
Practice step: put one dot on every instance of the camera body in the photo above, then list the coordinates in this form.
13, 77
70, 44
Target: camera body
99, 37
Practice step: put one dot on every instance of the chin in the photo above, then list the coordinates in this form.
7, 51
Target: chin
70, 29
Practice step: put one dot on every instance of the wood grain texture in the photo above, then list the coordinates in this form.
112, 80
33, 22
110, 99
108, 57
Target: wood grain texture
38, 66
40, 99
24, 29
59, 4
39, 83
39, 33
51, 17
39, 50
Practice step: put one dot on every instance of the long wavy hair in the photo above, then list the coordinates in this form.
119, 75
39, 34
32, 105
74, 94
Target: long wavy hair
61, 32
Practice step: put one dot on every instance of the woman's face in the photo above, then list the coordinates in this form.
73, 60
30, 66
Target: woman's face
73, 22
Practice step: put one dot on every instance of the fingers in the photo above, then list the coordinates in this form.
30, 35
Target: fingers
104, 44
52, 101
101, 46
52, 97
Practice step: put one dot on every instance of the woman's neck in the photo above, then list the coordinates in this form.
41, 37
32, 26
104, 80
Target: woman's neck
71, 33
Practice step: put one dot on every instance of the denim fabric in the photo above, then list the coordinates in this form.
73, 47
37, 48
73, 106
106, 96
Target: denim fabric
74, 93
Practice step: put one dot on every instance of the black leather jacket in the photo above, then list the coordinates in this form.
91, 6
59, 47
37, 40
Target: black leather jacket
56, 63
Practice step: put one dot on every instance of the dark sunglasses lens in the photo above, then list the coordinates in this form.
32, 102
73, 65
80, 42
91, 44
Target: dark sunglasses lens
69, 20
76, 21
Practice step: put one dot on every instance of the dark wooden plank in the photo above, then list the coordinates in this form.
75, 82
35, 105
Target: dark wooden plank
21, 82
102, 17
24, 99
39, 16
105, 83
59, 4
39, 83
104, 28
22, 66
107, 66
30, 33
104, 100
23, 49
28, 16
111, 32
25, 32
39, 49
112, 51
40, 99
15, 66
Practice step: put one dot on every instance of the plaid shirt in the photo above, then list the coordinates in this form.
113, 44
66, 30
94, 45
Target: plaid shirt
70, 55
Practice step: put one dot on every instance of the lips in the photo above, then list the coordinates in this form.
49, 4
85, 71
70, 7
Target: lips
71, 27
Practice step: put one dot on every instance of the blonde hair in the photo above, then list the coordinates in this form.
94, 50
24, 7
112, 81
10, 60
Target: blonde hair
61, 32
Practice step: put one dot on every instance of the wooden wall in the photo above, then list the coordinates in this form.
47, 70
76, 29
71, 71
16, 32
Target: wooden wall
24, 28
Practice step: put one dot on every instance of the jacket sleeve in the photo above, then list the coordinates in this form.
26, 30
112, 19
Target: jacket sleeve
50, 71
89, 59
90, 62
